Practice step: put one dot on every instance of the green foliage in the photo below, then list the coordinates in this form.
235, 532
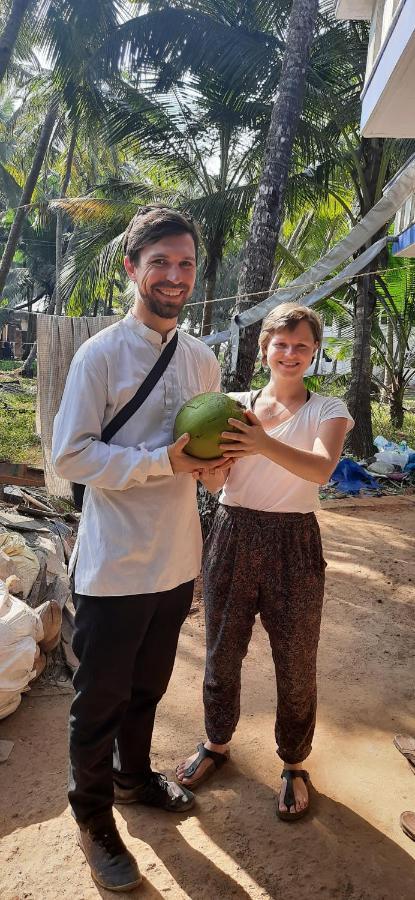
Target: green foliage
8, 365
18, 439
381, 424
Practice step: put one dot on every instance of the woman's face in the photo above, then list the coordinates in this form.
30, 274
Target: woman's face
289, 353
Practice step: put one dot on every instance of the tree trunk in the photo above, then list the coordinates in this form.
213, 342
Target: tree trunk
258, 262
360, 440
59, 221
210, 289
95, 307
317, 360
10, 33
28, 369
109, 299
396, 406
14, 235
319, 353
334, 365
387, 375
214, 253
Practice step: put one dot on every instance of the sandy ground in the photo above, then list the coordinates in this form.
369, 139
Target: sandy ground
231, 844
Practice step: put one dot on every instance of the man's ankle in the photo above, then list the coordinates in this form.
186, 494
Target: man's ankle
128, 783
98, 822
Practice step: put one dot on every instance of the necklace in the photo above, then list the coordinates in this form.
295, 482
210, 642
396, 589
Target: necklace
269, 413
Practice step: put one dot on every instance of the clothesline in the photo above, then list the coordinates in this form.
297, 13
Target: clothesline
272, 290
311, 284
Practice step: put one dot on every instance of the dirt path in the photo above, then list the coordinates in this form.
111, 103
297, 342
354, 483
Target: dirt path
232, 845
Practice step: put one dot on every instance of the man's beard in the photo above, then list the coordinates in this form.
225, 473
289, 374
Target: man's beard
162, 308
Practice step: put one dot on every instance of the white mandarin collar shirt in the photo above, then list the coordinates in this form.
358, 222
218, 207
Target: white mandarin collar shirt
147, 333
139, 531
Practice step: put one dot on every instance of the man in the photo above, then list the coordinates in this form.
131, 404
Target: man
139, 544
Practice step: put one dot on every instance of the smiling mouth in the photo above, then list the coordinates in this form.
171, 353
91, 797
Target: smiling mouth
170, 292
289, 365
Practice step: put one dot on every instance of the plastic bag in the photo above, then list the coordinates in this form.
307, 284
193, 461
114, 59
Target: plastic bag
380, 467
392, 453
393, 458
20, 630
25, 562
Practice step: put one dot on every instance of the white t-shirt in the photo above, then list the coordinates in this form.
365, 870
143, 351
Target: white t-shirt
258, 483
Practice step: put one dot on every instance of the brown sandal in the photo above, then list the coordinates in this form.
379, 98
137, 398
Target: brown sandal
406, 745
289, 796
218, 760
407, 823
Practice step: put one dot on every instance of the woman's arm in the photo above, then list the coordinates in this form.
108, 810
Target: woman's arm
314, 465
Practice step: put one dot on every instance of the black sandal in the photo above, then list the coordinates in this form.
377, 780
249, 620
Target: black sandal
218, 760
289, 796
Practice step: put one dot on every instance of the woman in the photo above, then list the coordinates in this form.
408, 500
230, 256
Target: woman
264, 553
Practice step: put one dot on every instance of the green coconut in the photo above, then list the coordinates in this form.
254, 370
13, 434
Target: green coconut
205, 417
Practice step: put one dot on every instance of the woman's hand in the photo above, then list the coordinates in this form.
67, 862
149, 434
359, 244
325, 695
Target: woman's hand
248, 439
214, 479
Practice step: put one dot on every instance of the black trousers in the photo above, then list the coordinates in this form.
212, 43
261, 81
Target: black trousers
126, 647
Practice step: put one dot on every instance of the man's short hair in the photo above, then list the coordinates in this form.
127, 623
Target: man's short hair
151, 224
288, 315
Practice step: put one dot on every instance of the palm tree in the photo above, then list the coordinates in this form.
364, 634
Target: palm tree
394, 345
337, 154
243, 46
59, 218
10, 33
69, 35
27, 193
393, 333
209, 139
31, 276
171, 126
259, 257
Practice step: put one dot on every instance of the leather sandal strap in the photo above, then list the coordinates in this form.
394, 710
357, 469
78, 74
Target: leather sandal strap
296, 773
289, 775
203, 753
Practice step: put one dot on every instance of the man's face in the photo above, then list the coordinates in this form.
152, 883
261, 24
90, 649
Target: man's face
165, 274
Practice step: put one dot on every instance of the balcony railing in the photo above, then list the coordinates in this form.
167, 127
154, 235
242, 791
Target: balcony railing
405, 217
385, 14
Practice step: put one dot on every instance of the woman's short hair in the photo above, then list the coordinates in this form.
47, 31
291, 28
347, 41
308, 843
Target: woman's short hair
288, 315
151, 224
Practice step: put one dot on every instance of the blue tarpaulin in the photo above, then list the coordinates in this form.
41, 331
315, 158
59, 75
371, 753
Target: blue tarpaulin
350, 478
410, 466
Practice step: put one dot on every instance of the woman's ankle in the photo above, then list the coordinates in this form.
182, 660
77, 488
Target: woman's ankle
215, 748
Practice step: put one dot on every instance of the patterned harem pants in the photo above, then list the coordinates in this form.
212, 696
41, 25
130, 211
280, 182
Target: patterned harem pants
271, 564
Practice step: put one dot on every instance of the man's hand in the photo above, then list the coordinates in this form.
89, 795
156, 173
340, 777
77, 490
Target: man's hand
182, 462
213, 479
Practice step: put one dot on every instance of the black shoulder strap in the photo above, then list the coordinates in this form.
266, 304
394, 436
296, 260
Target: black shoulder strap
254, 397
143, 391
